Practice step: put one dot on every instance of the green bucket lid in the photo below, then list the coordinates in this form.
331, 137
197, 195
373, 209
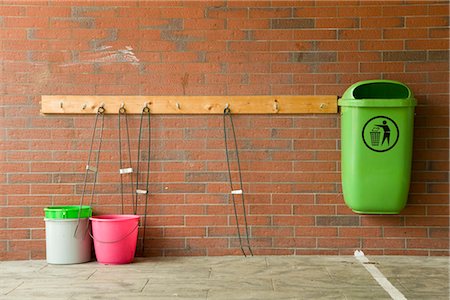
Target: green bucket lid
67, 212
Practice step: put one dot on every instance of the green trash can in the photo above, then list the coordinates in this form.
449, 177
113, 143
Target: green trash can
377, 118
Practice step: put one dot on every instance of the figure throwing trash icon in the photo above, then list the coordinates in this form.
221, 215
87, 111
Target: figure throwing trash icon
387, 132
380, 133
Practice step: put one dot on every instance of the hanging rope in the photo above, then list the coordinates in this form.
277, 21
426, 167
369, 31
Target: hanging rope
227, 112
145, 191
89, 167
129, 170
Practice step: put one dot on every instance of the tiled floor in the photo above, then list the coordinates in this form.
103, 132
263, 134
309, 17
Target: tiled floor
261, 277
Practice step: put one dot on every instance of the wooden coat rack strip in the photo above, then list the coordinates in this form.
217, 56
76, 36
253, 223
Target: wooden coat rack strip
65, 104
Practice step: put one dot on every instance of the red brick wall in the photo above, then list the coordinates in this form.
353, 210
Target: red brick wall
291, 164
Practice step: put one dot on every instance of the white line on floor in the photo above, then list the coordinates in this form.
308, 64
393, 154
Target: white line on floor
379, 277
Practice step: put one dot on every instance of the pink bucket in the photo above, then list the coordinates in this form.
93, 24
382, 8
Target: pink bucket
115, 238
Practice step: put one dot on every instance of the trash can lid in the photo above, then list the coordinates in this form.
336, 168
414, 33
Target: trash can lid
378, 93
67, 212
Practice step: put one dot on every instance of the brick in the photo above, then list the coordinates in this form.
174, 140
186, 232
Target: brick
404, 232
425, 21
291, 23
404, 55
382, 44
437, 210
385, 67
165, 220
206, 242
13, 234
254, 242
316, 35
426, 44
438, 232
271, 35
272, 232
338, 23
294, 242
206, 221
337, 220
29, 178
360, 11
315, 231
270, 210
387, 22
12, 10
338, 45
184, 232
156, 243
25, 22
270, 13
315, 12
226, 13
420, 221
428, 243
244, 24
45, 11
367, 34
359, 232
314, 57
404, 33
313, 209
438, 32
292, 199
390, 243
330, 242
318, 144
246, 4
249, 46
209, 24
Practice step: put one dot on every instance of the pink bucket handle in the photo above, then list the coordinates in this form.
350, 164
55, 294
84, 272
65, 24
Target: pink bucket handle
116, 241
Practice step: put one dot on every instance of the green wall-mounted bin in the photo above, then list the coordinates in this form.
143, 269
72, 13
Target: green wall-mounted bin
377, 118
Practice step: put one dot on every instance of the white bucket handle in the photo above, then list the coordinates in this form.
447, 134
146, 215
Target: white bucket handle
116, 241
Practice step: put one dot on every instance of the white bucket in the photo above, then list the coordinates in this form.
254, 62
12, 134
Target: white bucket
61, 244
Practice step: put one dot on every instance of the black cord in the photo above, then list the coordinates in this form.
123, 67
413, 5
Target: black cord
227, 112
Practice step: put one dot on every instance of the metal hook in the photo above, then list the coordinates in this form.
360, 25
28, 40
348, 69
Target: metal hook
101, 108
178, 105
84, 106
275, 106
146, 109
227, 109
61, 104
122, 109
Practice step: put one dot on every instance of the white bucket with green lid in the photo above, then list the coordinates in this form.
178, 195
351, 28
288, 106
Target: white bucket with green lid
67, 234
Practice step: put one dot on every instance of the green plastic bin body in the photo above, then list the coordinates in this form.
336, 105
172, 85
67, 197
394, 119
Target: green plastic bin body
377, 119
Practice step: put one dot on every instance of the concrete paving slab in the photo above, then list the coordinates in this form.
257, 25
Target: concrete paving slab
229, 277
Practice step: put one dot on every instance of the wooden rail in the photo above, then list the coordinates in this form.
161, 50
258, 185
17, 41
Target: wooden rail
71, 104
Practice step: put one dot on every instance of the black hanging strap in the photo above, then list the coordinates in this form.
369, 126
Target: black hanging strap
145, 190
92, 168
240, 191
122, 170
